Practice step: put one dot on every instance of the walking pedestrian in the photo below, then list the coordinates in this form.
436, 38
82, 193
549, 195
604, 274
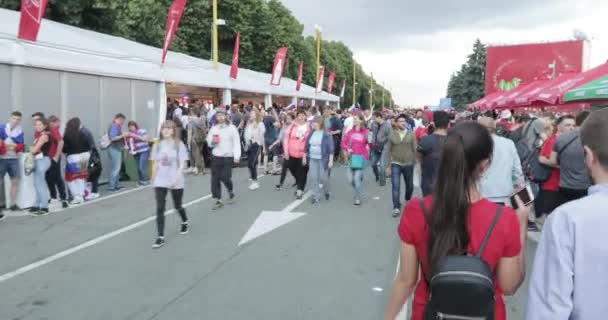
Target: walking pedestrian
286, 123
400, 152
77, 149
568, 280
224, 140
254, 141
381, 131
549, 190
568, 153
319, 156
356, 143
197, 134
117, 139
12, 143
451, 224
53, 175
429, 150
138, 142
170, 156
40, 151
294, 144
504, 176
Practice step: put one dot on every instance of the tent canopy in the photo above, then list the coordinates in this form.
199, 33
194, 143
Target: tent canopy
63, 47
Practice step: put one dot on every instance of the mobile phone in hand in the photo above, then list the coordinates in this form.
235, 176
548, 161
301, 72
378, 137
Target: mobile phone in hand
525, 195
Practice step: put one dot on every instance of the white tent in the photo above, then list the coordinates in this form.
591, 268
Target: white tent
66, 48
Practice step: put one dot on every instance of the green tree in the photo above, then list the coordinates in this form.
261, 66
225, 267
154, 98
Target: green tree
265, 25
467, 85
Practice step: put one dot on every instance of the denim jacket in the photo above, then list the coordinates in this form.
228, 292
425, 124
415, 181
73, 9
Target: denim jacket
327, 148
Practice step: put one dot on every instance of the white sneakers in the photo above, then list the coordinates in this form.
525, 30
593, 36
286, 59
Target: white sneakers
254, 185
92, 196
77, 200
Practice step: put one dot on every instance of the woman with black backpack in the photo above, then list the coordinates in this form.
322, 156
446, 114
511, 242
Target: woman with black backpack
468, 249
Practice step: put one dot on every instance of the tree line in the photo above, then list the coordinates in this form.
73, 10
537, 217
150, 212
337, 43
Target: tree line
265, 25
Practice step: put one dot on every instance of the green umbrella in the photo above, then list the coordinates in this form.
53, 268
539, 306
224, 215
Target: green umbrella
594, 90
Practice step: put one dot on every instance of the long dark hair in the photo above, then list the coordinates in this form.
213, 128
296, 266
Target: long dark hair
72, 130
466, 146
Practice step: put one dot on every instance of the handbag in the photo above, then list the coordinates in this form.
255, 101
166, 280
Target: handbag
356, 161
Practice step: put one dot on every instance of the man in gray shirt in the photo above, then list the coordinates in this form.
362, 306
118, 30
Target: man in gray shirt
568, 277
568, 153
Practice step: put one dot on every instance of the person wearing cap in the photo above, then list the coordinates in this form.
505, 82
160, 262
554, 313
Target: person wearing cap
225, 144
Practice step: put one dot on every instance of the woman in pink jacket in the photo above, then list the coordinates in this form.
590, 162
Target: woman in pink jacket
294, 145
357, 143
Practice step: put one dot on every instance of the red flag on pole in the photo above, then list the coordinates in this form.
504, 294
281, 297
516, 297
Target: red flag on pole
321, 77
300, 73
343, 88
32, 12
279, 65
173, 17
234, 68
330, 83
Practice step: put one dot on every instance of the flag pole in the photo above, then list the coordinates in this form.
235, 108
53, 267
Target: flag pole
371, 91
215, 36
354, 81
318, 32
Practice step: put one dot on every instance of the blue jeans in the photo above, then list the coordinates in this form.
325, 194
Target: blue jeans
317, 176
407, 172
115, 164
355, 177
42, 189
378, 165
142, 166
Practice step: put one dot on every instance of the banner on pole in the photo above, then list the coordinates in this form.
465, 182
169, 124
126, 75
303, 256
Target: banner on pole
300, 73
330, 83
174, 15
320, 77
32, 12
234, 68
280, 58
343, 89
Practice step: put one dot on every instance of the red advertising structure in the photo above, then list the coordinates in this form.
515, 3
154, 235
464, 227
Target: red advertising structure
509, 66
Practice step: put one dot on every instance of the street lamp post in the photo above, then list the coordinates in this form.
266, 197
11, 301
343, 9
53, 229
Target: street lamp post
318, 31
214, 41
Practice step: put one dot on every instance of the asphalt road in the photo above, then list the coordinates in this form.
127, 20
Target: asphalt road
95, 261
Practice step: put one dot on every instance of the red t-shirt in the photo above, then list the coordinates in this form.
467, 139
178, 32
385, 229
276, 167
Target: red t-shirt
421, 132
552, 184
55, 137
504, 242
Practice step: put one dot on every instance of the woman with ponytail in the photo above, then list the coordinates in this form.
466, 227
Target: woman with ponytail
456, 223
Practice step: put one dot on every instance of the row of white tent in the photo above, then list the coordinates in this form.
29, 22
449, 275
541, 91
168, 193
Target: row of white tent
66, 48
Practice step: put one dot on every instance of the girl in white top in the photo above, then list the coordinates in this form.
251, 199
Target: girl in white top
170, 156
254, 140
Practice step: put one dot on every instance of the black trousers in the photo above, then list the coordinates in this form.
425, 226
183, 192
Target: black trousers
252, 160
566, 195
55, 181
299, 171
283, 172
161, 200
221, 172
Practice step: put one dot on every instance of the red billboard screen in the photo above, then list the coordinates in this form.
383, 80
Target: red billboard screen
509, 66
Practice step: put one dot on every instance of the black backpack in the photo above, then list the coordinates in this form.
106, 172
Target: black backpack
462, 287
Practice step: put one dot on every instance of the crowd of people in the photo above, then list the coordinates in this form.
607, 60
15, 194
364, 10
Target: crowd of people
471, 221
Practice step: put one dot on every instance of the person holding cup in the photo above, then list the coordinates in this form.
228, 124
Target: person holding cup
225, 144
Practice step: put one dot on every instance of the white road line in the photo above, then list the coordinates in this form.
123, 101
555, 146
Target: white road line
90, 243
296, 203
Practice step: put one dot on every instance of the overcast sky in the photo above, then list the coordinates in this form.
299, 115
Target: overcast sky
415, 45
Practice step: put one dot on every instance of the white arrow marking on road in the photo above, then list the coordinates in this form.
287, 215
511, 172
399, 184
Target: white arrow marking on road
268, 221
